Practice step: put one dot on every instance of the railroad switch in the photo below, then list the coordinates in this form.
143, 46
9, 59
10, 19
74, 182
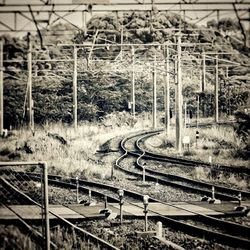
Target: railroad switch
213, 200
240, 207
109, 215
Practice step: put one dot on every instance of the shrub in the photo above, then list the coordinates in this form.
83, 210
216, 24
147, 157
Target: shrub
189, 153
5, 151
216, 152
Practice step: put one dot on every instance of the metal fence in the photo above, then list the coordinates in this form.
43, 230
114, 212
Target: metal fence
18, 188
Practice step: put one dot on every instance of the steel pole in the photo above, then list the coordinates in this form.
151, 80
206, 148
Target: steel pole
146, 217
1, 89
178, 101
121, 44
167, 91
198, 111
216, 90
30, 101
75, 88
203, 82
133, 82
154, 94
46, 205
185, 115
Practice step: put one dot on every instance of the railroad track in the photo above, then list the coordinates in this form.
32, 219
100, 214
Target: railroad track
98, 242
186, 162
135, 149
212, 228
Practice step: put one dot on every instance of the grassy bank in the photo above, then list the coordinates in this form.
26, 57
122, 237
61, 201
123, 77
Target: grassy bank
72, 151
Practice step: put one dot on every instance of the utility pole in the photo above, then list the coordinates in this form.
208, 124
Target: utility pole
198, 110
249, 27
1, 88
228, 92
178, 101
75, 87
216, 88
133, 82
185, 115
167, 91
121, 44
84, 22
30, 100
154, 93
203, 81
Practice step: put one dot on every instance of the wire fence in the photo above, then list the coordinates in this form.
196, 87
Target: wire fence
17, 188
26, 183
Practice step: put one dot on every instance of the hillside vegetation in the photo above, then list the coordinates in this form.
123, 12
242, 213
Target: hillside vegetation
105, 86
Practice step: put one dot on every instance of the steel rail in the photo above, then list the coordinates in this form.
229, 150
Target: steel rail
96, 240
30, 201
185, 179
152, 177
188, 162
232, 227
69, 183
185, 227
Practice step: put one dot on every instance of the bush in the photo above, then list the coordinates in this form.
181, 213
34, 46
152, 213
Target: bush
188, 153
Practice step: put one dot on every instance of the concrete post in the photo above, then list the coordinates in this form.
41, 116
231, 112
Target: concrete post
159, 229
178, 101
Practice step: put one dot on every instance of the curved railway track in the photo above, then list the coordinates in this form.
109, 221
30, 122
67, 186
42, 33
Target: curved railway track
213, 229
203, 226
183, 161
176, 181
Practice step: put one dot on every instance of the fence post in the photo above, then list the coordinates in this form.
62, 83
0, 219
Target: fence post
46, 205
1, 89
77, 189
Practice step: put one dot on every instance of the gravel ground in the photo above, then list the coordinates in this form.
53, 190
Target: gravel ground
155, 190
125, 236
207, 226
244, 220
200, 174
57, 195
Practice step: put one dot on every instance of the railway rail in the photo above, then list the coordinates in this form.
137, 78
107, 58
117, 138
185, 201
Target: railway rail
187, 162
98, 242
227, 232
177, 181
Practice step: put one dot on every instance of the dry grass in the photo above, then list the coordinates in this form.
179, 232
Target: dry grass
12, 237
78, 156
216, 142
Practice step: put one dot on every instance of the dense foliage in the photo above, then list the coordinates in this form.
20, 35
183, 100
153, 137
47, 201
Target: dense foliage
105, 86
